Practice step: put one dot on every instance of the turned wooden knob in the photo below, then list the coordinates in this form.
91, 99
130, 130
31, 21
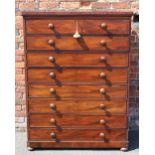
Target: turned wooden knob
102, 75
51, 42
51, 26
102, 135
103, 59
103, 25
53, 121
102, 91
53, 135
102, 121
52, 106
103, 42
52, 90
102, 106
52, 75
51, 58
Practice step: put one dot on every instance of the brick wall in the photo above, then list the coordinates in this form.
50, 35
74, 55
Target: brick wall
77, 5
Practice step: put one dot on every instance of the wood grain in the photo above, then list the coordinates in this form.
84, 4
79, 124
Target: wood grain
75, 59
76, 91
76, 14
77, 134
84, 43
85, 26
77, 63
78, 144
76, 106
79, 121
78, 75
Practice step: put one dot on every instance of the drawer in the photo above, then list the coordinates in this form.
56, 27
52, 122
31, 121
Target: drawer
75, 106
78, 75
57, 27
59, 120
78, 144
84, 43
77, 134
77, 60
61, 91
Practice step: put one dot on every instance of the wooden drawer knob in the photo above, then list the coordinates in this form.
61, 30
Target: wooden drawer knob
52, 90
102, 121
102, 75
102, 91
102, 135
51, 42
102, 106
52, 75
53, 135
53, 121
103, 59
103, 42
52, 106
51, 58
51, 26
103, 25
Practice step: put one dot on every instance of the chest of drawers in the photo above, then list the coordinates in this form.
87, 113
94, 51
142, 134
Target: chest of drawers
77, 69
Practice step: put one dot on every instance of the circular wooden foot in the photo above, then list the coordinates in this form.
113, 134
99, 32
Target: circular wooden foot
124, 149
30, 148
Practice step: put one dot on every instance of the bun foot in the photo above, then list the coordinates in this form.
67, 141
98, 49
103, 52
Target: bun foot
30, 148
124, 149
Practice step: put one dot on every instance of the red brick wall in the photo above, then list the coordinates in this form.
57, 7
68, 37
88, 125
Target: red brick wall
77, 5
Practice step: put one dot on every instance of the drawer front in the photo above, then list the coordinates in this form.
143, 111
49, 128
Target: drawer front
78, 75
77, 59
85, 26
42, 26
84, 43
78, 144
75, 106
59, 120
76, 91
77, 134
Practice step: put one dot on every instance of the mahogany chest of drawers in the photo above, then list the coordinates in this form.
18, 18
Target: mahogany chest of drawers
77, 69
